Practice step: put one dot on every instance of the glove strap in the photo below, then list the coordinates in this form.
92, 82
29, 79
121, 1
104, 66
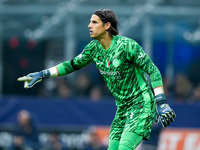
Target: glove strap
160, 99
46, 74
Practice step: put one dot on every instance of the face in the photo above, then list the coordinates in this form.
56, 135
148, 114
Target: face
23, 118
97, 28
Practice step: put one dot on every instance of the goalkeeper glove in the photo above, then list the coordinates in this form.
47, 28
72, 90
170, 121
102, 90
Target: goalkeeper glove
163, 111
31, 79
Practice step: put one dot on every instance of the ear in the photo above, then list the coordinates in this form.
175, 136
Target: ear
107, 25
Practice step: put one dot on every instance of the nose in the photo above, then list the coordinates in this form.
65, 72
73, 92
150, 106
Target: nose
89, 25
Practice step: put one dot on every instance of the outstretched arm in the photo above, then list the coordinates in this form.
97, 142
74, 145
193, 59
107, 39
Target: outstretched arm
61, 69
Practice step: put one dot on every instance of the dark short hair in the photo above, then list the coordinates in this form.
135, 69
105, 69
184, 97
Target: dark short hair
107, 15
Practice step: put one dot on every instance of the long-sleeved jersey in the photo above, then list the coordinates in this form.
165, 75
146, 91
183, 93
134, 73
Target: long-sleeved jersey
123, 67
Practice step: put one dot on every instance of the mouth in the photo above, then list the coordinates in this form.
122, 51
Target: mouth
91, 32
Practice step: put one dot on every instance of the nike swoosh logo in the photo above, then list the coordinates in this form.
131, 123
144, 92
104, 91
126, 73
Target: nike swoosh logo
98, 63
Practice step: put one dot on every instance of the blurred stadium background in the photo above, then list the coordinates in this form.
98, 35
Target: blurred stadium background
38, 34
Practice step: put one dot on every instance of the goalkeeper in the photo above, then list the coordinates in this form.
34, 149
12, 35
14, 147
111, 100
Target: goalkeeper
122, 63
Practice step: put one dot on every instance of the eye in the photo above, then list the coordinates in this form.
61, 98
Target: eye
94, 21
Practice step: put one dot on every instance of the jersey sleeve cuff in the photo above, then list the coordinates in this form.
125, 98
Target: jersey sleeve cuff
158, 90
53, 72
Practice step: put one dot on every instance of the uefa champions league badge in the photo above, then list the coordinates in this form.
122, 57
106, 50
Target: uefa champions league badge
115, 62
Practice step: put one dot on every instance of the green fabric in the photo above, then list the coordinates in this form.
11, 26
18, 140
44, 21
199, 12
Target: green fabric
129, 141
136, 119
65, 68
156, 84
113, 145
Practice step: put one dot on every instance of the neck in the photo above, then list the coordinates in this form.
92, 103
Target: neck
105, 41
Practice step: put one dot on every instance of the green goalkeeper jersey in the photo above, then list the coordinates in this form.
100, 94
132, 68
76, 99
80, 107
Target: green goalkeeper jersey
123, 67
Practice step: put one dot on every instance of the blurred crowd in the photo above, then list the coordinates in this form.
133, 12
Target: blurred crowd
181, 89
26, 133
26, 136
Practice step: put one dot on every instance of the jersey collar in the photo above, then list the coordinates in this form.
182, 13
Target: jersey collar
107, 50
